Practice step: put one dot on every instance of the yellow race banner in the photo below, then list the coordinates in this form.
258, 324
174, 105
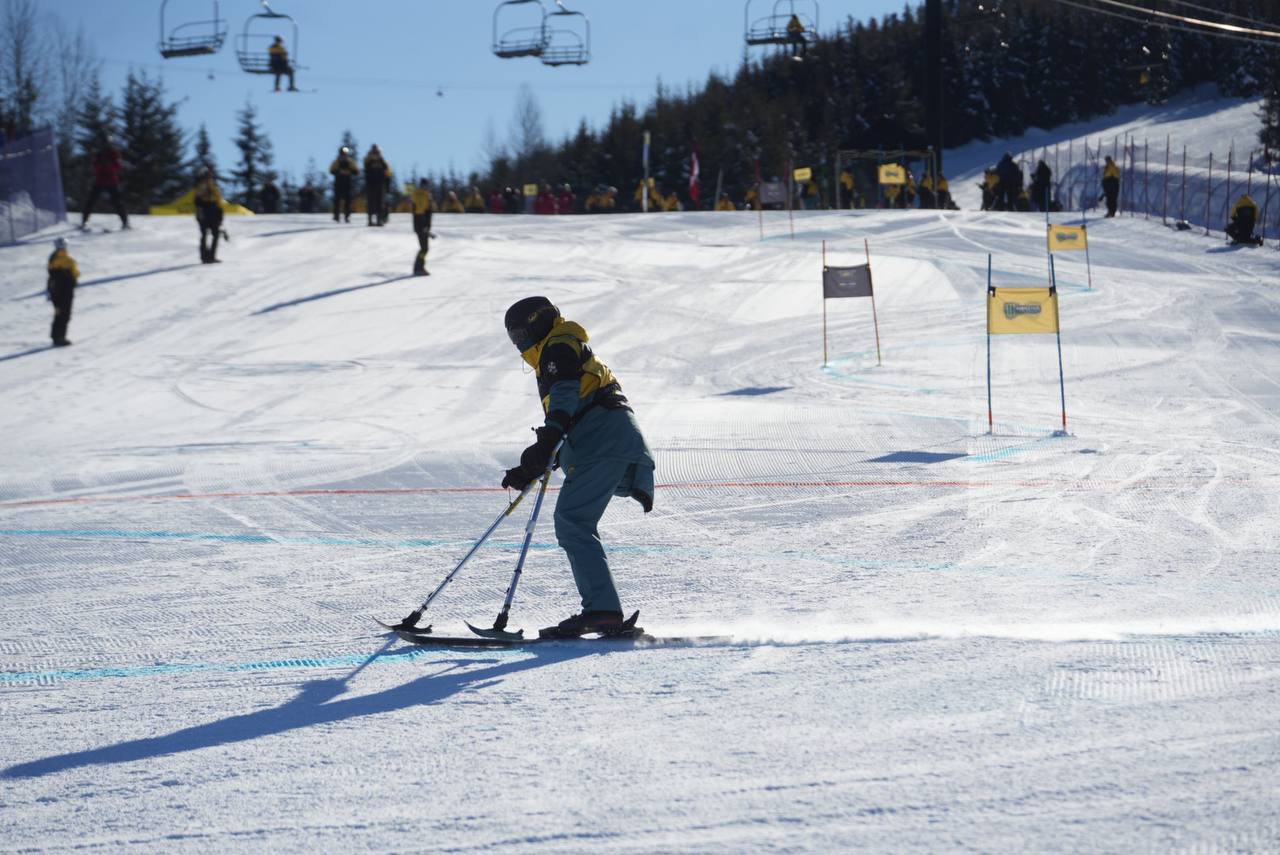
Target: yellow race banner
186, 204
1022, 310
531, 190
1068, 238
803, 173
892, 173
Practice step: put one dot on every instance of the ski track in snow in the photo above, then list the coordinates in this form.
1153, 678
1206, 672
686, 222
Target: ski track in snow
942, 638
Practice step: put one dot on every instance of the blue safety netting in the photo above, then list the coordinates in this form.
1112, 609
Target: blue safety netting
31, 196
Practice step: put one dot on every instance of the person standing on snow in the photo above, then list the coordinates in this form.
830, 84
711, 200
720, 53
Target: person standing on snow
61, 289
344, 169
1244, 216
107, 167
1111, 186
1010, 183
208, 215
423, 205
1041, 184
604, 454
377, 177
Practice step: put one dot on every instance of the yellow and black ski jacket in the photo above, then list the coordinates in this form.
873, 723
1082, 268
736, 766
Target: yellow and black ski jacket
63, 272
571, 380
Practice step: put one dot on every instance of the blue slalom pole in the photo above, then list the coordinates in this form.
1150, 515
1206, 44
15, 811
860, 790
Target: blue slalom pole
990, 294
1057, 315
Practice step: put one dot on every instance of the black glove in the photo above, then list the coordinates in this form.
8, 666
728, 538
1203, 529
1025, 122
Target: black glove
534, 460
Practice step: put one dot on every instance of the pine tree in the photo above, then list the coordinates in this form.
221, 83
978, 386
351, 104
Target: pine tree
152, 145
1269, 136
204, 158
255, 156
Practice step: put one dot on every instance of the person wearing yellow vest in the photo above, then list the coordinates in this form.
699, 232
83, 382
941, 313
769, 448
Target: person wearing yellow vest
724, 203
278, 57
61, 289
452, 204
344, 169
1111, 186
208, 199
1244, 216
849, 187
475, 202
604, 453
423, 205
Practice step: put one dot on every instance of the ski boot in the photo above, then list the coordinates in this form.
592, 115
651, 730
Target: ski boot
606, 624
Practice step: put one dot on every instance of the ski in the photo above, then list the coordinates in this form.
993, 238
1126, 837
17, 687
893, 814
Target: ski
638, 639
400, 627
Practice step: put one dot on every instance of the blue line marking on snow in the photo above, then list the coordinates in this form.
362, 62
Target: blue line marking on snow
68, 674
217, 537
1002, 453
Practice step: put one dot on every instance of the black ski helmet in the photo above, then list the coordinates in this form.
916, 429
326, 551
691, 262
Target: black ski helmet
530, 320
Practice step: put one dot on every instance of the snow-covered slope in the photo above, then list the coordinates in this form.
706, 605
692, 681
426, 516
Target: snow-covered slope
1200, 119
944, 638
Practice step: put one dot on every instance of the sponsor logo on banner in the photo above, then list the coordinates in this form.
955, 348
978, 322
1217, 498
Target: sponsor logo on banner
804, 173
1012, 310
1066, 237
891, 173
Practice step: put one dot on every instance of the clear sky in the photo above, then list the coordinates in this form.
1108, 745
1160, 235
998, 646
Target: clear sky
417, 76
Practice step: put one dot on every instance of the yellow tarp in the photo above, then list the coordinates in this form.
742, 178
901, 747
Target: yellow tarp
186, 204
1066, 238
1022, 310
891, 173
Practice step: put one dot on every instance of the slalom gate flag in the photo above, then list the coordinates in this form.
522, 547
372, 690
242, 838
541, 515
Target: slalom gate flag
1067, 238
892, 173
846, 282
1022, 310
803, 173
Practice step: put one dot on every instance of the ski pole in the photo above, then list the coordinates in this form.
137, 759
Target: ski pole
411, 622
500, 623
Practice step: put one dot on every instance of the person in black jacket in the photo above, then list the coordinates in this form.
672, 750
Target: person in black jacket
1010, 187
344, 169
61, 289
1041, 183
269, 198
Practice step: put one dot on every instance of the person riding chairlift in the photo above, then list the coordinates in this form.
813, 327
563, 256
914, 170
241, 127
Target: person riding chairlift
280, 65
796, 37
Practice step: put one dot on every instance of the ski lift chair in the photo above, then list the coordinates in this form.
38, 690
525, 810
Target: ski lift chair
771, 29
254, 41
519, 32
192, 38
568, 37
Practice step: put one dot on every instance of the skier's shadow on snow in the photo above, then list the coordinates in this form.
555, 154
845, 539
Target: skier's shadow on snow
318, 702
326, 294
106, 280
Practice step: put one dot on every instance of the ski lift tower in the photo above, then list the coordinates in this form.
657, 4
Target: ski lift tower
767, 22
519, 29
254, 41
568, 37
191, 38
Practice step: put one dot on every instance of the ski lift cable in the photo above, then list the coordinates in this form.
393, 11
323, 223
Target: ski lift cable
1199, 22
1200, 31
1225, 15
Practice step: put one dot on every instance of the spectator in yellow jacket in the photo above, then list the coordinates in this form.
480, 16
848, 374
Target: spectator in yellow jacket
344, 169
208, 198
475, 202
61, 289
724, 203
848, 188
423, 206
1111, 186
452, 204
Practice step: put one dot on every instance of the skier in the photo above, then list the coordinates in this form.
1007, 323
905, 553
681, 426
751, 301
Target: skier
278, 56
604, 454
1111, 186
377, 177
208, 215
61, 289
1244, 215
475, 202
269, 197
1041, 181
344, 169
107, 167
795, 37
420, 198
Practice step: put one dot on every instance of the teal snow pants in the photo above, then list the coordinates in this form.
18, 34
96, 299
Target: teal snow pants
607, 459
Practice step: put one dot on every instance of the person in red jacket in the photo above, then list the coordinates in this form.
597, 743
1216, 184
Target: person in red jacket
546, 201
497, 204
107, 167
564, 202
